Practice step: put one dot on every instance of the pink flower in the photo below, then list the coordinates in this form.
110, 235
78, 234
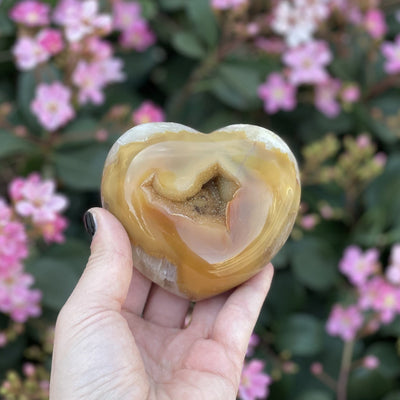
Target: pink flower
277, 94
350, 93
88, 77
393, 269
344, 322
359, 266
16, 297
253, 343
3, 339
29, 369
316, 368
53, 231
293, 23
325, 97
52, 106
37, 199
371, 362
270, 45
308, 62
148, 112
369, 292
111, 70
31, 13
254, 382
391, 51
98, 49
81, 18
227, 4
51, 40
138, 36
28, 53
13, 241
309, 221
363, 141
380, 159
388, 302
375, 24
125, 14
316, 10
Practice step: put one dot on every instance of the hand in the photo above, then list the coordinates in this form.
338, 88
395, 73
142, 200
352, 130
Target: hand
120, 337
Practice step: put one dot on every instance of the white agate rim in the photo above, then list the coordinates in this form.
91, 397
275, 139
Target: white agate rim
143, 132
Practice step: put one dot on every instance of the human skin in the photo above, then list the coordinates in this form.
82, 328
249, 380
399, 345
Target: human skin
121, 337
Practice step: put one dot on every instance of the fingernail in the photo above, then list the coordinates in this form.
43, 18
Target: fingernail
90, 223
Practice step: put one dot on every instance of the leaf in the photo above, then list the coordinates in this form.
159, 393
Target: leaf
81, 168
57, 272
367, 385
301, 334
11, 144
389, 361
392, 396
188, 44
203, 19
12, 354
283, 282
236, 85
80, 130
138, 66
315, 394
172, 5
314, 263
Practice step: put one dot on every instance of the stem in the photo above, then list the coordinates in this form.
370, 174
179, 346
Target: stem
345, 370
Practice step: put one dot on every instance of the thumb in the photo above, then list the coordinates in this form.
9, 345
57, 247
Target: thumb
106, 278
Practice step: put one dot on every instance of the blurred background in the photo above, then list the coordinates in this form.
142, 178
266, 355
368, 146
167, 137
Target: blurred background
323, 74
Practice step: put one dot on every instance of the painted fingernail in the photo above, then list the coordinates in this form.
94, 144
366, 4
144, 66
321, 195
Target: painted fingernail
90, 223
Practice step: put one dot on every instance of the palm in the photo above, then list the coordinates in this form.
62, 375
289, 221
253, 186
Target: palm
182, 361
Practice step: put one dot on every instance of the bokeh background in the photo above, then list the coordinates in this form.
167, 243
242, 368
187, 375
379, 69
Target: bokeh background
323, 74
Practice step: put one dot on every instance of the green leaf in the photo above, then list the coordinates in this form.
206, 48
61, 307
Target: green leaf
80, 130
203, 19
6, 26
236, 85
392, 396
172, 5
57, 272
367, 385
314, 263
389, 361
315, 394
81, 168
283, 282
188, 44
12, 354
301, 334
11, 144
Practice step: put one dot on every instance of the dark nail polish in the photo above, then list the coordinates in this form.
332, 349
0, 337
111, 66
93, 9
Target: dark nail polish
90, 223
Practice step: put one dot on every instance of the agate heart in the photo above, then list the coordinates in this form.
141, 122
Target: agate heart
204, 212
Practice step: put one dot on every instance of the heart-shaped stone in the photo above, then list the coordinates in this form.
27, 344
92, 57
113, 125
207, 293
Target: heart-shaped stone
204, 212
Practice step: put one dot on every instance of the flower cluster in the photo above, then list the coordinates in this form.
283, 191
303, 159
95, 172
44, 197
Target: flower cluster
305, 59
378, 293
34, 212
135, 31
71, 38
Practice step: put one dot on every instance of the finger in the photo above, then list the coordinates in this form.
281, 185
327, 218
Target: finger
137, 294
105, 281
240, 313
205, 313
165, 309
